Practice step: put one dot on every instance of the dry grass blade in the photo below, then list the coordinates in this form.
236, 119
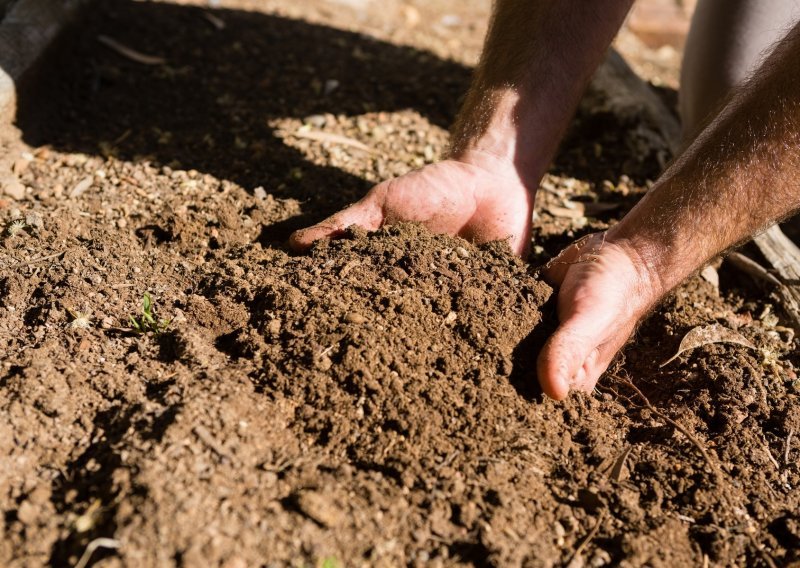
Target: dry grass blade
94, 545
333, 139
215, 21
130, 53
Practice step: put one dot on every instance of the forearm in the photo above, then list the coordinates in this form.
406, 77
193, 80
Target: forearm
739, 176
538, 57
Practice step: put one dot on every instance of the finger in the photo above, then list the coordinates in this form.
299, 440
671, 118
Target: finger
561, 359
576, 356
362, 213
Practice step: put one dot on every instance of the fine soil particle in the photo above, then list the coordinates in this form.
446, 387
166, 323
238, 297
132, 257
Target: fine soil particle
373, 402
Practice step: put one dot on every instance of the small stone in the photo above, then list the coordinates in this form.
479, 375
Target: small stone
355, 317
260, 193
78, 189
318, 508
13, 188
462, 252
27, 513
20, 165
600, 558
330, 86
34, 220
316, 120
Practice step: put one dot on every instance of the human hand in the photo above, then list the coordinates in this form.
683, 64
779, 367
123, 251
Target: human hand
604, 289
453, 196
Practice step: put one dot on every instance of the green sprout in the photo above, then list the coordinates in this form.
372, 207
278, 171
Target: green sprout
148, 321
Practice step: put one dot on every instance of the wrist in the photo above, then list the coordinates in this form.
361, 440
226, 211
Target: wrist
646, 260
499, 132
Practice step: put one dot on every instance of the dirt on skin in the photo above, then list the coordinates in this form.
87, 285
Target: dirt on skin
373, 402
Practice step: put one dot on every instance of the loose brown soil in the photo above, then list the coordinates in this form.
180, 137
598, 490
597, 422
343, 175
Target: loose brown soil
373, 402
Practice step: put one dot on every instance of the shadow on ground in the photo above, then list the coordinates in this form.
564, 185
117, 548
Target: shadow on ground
209, 107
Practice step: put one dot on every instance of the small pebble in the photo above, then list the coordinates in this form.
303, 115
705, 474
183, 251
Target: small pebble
462, 252
13, 188
316, 120
354, 317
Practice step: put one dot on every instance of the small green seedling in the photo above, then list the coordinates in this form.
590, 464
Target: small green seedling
330, 562
148, 322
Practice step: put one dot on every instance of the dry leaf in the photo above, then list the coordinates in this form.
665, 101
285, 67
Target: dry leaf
707, 334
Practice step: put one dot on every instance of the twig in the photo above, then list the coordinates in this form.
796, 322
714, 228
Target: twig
752, 268
711, 463
677, 425
218, 23
36, 260
585, 542
94, 545
333, 138
788, 447
129, 53
787, 300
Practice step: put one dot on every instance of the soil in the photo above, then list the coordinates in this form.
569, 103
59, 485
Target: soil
373, 402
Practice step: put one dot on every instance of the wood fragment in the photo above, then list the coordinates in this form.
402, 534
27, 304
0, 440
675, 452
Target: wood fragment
130, 53
787, 298
319, 136
215, 21
788, 447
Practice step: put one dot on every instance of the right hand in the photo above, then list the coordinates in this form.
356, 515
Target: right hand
604, 288
453, 197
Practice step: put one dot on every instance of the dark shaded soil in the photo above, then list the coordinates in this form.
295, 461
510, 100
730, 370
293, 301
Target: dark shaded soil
373, 402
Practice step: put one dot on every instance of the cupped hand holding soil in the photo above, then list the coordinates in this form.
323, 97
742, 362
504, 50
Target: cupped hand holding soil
451, 197
603, 292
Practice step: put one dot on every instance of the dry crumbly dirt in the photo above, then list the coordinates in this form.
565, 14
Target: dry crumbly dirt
373, 402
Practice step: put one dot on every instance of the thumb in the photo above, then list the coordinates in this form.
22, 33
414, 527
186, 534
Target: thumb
364, 213
577, 354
